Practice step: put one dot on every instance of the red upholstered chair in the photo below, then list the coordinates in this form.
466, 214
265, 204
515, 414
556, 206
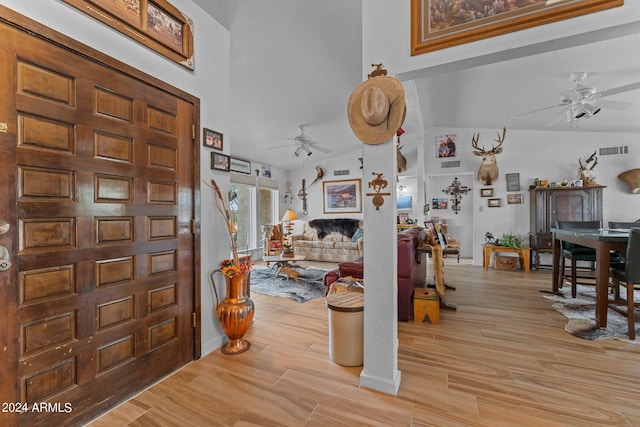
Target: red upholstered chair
273, 243
412, 269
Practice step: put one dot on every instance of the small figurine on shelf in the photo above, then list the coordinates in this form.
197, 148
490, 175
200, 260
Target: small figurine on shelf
489, 239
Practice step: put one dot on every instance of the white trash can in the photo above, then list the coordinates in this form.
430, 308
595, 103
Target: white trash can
346, 328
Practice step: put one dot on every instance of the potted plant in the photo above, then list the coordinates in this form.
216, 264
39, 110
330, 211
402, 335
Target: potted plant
511, 240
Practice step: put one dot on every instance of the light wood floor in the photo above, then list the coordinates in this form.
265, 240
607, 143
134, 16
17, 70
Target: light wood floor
501, 359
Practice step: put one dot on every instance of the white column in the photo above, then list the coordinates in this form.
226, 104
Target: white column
380, 370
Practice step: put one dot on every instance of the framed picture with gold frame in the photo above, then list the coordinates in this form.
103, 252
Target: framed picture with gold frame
343, 196
436, 26
157, 24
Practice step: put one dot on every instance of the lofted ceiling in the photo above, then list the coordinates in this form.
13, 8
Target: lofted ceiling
295, 63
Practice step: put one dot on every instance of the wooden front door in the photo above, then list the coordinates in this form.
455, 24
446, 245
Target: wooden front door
97, 171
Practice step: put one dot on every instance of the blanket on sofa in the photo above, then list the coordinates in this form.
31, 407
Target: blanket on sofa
345, 226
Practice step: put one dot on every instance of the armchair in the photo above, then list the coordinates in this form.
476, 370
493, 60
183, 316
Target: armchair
271, 239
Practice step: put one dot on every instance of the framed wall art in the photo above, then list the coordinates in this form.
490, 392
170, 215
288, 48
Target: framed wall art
438, 24
440, 203
239, 165
212, 139
344, 196
404, 202
220, 162
513, 181
445, 146
494, 203
515, 199
156, 24
486, 192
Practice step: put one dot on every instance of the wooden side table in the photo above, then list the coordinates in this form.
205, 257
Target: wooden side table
426, 303
524, 254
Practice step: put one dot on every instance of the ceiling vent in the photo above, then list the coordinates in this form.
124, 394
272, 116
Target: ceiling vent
450, 164
612, 151
341, 172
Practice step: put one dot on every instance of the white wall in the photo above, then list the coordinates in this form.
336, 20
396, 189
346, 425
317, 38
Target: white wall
209, 81
314, 192
544, 155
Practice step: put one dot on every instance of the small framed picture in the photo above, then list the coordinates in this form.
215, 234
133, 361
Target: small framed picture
439, 203
494, 203
212, 139
220, 162
515, 199
513, 181
403, 217
266, 171
486, 192
239, 165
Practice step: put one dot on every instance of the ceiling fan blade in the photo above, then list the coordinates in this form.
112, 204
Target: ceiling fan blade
559, 117
614, 105
538, 110
619, 89
321, 149
282, 146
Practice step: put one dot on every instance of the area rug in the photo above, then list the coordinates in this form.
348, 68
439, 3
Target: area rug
581, 314
308, 286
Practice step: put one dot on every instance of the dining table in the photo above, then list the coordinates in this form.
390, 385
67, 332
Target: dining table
603, 241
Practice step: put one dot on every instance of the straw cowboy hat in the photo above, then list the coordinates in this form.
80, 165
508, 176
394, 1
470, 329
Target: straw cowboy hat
377, 109
632, 178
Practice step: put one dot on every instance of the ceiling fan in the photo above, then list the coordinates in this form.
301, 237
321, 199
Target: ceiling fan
582, 101
303, 144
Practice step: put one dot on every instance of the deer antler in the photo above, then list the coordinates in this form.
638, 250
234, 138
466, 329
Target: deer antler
474, 142
500, 140
594, 159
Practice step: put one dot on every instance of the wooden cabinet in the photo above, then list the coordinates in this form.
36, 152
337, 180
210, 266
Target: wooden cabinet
550, 205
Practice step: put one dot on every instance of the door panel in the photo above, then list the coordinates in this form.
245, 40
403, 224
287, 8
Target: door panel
99, 300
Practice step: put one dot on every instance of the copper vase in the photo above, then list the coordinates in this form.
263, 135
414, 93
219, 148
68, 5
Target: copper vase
235, 313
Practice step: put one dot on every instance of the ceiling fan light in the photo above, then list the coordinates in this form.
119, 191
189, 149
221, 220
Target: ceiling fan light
577, 112
591, 109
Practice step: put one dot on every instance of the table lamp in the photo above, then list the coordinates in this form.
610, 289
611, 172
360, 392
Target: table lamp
289, 216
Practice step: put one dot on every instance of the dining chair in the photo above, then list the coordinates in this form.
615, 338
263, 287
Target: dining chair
623, 225
616, 225
629, 273
574, 252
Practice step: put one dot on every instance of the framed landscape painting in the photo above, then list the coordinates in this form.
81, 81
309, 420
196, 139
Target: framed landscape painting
342, 196
438, 24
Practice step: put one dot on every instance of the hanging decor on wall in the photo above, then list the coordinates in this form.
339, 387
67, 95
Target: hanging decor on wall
302, 194
456, 190
437, 24
157, 24
287, 193
378, 184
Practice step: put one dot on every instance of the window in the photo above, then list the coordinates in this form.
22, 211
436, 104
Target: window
252, 206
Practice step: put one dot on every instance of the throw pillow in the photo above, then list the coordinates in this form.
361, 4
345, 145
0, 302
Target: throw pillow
357, 235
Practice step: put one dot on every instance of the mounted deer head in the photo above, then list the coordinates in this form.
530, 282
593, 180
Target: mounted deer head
402, 161
488, 172
585, 170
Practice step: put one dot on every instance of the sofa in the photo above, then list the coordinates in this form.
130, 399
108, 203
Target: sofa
333, 240
412, 270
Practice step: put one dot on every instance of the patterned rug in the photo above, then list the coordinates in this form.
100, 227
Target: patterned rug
581, 314
308, 286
